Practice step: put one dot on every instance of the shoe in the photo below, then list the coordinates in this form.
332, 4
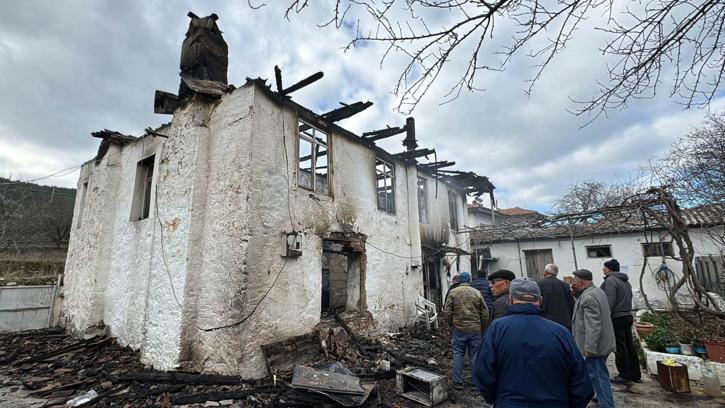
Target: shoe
621, 380
638, 381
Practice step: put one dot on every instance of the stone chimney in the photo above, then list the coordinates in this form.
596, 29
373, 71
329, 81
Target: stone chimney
204, 53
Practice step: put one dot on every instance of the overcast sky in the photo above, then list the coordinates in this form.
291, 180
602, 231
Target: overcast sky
73, 67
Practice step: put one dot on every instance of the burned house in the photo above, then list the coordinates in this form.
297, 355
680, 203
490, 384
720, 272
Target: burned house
248, 218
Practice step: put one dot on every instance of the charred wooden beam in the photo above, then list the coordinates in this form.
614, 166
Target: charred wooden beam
412, 154
382, 133
165, 103
436, 165
303, 83
218, 396
182, 378
309, 156
278, 78
345, 111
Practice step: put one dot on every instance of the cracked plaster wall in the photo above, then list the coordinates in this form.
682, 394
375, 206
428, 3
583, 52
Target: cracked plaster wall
226, 194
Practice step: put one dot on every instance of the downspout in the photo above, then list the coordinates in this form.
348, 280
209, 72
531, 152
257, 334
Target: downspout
521, 264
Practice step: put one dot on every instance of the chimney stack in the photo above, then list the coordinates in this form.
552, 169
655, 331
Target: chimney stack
409, 142
204, 53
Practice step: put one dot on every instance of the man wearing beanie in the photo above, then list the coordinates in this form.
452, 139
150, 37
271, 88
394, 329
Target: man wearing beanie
594, 334
466, 311
526, 360
619, 293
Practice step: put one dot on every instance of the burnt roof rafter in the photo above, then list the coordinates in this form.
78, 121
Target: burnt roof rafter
412, 154
383, 133
345, 111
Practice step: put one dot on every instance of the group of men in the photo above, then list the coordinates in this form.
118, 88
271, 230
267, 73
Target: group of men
543, 343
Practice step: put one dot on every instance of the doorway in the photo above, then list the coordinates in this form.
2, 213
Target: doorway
536, 260
341, 283
432, 281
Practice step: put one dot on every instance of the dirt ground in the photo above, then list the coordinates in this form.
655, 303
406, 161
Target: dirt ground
56, 367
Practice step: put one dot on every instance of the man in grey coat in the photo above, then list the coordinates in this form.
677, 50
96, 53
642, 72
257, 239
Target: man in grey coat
594, 334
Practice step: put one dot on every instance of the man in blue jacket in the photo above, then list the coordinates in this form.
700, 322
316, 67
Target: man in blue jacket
526, 360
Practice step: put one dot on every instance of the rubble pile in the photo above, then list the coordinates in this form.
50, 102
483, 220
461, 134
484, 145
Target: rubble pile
343, 369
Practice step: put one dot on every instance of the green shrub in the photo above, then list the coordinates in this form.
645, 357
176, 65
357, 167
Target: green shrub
660, 337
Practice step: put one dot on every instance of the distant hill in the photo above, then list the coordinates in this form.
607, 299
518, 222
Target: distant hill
34, 216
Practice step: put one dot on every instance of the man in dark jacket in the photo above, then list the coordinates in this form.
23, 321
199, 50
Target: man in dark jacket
557, 302
619, 293
482, 284
526, 361
499, 283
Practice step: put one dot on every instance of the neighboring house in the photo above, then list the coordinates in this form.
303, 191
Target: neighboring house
248, 219
526, 250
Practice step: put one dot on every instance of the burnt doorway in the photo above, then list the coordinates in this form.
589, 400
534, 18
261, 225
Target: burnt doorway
432, 281
536, 260
341, 278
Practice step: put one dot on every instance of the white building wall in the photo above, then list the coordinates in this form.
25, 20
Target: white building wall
201, 283
626, 248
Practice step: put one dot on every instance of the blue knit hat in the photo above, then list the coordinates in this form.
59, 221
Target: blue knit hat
464, 277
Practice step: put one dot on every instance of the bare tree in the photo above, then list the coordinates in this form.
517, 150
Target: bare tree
592, 195
649, 41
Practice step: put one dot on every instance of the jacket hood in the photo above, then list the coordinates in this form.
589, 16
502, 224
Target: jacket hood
620, 275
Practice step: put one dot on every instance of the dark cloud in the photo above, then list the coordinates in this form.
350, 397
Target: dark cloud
70, 68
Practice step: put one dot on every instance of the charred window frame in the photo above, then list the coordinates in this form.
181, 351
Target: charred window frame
313, 159
654, 249
141, 204
453, 209
599, 251
385, 185
423, 200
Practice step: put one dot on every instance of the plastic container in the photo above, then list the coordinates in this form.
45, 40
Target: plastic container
715, 350
711, 382
672, 348
687, 349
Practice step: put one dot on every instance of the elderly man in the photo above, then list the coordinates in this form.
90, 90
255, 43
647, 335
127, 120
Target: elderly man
499, 283
557, 303
528, 361
619, 293
594, 334
466, 311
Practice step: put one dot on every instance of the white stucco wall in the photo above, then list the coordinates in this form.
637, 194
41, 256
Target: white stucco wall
626, 248
202, 283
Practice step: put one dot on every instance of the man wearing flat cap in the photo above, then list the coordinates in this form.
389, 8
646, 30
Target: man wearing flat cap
594, 334
499, 283
619, 293
526, 360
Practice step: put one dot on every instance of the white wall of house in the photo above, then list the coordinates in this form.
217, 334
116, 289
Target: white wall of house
626, 248
478, 217
177, 284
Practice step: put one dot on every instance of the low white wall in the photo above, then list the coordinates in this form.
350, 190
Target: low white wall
695, 365
25, 307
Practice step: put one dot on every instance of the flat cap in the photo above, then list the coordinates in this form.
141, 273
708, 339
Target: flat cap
502, 274
525, 289
584, 274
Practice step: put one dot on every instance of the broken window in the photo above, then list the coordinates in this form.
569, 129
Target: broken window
453, 209
599, 251
141, 204
313, 171
422, 200
82, 205
657, 249
385, 175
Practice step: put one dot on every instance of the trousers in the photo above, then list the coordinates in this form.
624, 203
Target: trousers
626, 359
461, 343
599, 376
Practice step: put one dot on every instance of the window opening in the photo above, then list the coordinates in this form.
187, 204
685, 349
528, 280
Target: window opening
453, 209
313, 169
141, 204
385, 175
599, 251
657, 249
82, 205
422, 200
